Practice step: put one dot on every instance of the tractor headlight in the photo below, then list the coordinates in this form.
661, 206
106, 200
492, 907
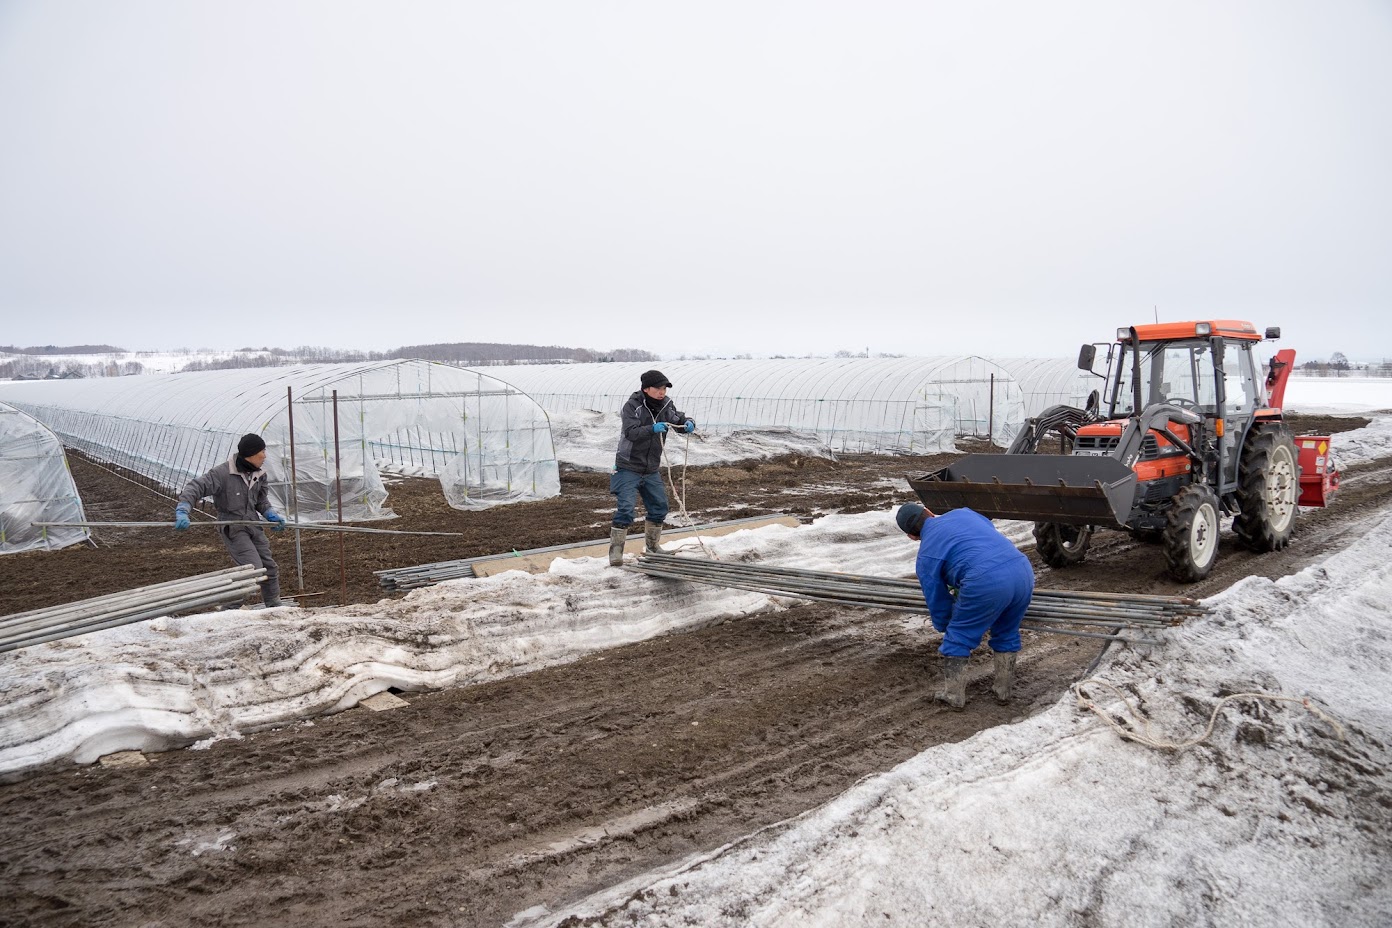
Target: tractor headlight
1203, 328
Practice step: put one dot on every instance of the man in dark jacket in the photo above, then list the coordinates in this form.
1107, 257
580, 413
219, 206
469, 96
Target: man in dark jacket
238, 489
644, 423
974, 581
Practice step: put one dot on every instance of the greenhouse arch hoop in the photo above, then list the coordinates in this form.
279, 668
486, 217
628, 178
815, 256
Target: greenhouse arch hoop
35, 486
905, 405
486, 441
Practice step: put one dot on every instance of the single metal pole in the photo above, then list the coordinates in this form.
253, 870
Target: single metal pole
294, 489
338, 482
991, 413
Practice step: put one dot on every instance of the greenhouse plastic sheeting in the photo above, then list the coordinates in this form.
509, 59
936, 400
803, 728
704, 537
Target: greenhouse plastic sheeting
1046, 382
487, 442
35, 486
912, 405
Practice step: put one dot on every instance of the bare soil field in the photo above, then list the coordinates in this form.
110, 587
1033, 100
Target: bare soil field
471, 805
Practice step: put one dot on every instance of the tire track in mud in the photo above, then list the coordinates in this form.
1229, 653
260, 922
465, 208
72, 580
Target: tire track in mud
474, 804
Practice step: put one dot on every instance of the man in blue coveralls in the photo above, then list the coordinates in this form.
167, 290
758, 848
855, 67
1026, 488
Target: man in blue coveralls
974, 581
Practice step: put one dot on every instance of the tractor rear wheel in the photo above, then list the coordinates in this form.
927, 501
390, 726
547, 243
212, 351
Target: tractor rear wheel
1268, 485
1061, 545
1191, 533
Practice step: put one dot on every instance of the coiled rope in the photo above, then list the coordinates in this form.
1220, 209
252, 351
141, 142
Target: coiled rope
1139, 730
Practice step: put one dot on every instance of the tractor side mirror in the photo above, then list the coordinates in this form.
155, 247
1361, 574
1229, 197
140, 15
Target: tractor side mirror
1086, 355
1273, 332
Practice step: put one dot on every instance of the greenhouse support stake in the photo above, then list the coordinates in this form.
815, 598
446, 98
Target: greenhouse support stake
991, 411
294, 488
338, 482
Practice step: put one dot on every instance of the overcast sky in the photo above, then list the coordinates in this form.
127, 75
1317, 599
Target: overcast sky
1009, 178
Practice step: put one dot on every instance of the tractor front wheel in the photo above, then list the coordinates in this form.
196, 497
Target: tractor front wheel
1191, 534
1268, 487
1061, 545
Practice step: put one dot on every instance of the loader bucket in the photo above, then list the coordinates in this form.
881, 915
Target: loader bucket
1073, 489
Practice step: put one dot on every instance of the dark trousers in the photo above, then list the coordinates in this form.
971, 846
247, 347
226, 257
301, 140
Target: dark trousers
248, 546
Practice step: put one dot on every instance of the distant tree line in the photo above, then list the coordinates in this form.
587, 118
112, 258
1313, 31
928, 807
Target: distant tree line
466, 354
62, 349
1339, 365
37, 368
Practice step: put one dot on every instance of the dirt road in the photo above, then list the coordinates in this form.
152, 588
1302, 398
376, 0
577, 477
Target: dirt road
471, 805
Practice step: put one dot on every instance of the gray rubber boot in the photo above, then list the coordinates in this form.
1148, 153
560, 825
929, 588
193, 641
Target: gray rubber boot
270, 593
1005, 676
617, 538
954, 688
652, 531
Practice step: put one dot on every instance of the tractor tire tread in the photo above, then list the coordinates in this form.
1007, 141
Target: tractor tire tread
1178, 529
1252, 525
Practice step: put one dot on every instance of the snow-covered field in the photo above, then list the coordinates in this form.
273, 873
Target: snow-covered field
1338, 395
1279, 818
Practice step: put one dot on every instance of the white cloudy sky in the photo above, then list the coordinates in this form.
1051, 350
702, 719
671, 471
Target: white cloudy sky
917, 177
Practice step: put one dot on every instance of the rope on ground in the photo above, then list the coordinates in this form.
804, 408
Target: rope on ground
1139, 729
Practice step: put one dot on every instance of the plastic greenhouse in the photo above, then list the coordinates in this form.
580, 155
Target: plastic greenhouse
486, 441
1046, 382
916, 405
35, 486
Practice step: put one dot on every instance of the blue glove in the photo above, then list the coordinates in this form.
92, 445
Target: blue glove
276, 519
690, 426
659, 427
181, 518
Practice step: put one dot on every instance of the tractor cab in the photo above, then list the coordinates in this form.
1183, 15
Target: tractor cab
1203, 375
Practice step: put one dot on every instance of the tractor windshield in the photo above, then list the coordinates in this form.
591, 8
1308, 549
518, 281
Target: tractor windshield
1180, 373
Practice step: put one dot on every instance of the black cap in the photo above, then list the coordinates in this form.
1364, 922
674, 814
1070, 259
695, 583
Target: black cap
911, 517
655, 379
250, 444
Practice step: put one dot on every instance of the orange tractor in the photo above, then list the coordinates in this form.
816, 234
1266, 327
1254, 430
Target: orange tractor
1184, 431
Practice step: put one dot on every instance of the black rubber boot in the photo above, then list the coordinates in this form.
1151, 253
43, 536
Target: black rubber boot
1005, 676
954, 688
652, 531
270, 594
617, 538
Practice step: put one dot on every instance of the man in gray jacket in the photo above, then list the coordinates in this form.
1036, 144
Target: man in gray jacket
238, 489
643, 429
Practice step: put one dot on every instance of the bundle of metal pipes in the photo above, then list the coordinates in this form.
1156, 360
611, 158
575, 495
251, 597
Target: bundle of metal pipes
1048, 609
203, 591
402, 579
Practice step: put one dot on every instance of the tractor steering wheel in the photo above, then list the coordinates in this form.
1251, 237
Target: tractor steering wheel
1183, 402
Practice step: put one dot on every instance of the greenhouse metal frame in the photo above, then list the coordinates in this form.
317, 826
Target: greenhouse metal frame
486, 441
903, 405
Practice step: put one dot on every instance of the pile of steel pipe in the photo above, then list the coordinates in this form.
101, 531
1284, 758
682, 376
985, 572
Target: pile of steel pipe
402, 579
203, 591
1048, 608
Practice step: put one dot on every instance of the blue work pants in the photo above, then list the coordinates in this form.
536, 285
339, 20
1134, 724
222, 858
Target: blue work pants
994, 600
627, 486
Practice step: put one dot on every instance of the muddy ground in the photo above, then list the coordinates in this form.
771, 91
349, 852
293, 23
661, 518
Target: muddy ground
471, 805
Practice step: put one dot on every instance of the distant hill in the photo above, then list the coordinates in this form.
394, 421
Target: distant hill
493, 353
62, 349
52, 362
466, 354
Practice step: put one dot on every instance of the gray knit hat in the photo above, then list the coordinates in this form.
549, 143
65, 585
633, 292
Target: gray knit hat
911, 517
